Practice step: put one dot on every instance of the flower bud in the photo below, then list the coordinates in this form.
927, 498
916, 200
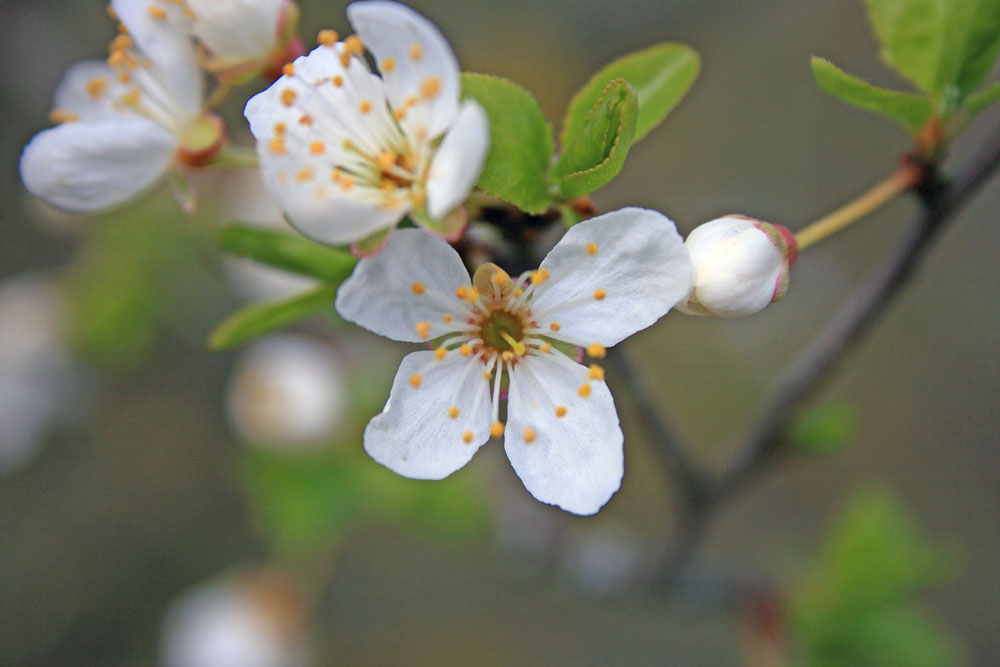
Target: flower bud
740, 265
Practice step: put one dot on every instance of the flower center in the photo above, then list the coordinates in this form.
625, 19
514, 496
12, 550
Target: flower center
502, 331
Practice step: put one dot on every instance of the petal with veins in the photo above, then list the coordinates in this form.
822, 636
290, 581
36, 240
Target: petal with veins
380, 294
419, 53
93, 165
415, 436
576, 460
638, 270
458, 161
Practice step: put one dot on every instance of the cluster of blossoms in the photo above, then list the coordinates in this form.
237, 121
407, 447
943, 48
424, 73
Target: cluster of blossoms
348, 152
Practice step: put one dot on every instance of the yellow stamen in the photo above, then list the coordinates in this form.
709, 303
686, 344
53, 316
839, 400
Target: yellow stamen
508, 355
277, 146
158, 13
430, 87
447, 318
555, 326
496, 430
465, 350
317, 147
596, 350
327, 37
288, 69
600, 294
415, 380
591, 248
596, 372
280, 128
545, 348
304, 174
338, 81
462, 293
453, 412
96, 87
385, 160
418, 288
388, 65
423, 329
306, 120
467, 437
529, 435
584, 390
288, 97
416, 51
561, 411
440, 353
365, 106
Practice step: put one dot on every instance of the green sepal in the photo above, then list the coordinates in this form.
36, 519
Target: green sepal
912, 111
259, 319
520, 142
981, 99
660, 75
596, 150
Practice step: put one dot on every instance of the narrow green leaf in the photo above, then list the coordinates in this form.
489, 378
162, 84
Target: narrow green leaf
596, 152
981, 99
520, 142
287, 251
660, 75
260, 319
971, 43
912, 37
910, 110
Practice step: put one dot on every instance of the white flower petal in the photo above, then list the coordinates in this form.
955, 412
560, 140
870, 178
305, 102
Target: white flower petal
380, 296
640, 268
458, 161
237, 29
415, 436
71, 94
575, 461
168, 47
419, 53
94, 165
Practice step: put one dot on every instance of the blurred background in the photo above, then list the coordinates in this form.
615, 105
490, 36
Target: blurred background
156, 496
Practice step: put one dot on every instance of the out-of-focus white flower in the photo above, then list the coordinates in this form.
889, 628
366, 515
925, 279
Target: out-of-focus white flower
349, 153
246, 200
124, 123
36, 377
288, 392
249, 620
740, 265
606, 279
239, 36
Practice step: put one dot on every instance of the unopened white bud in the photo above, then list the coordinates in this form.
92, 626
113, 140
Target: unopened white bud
740, 265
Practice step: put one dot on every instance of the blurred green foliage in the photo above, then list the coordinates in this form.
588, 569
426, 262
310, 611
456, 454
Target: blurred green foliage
824, 429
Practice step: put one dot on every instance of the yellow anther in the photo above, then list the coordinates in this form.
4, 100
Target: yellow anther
591, 248
158, 13
317, 147
346, 183
415, 380
518, 291
487, 376
306, 120
388, 65
467, 437
584, 390
112, 13
418, 288
399, 114
353, 45
188, 12
462, 293
423, 329
430, 87
116, 59
447, 318
385, 160
536, 278
529, 435
596, 350
365, 106
440, 353
124, 78
500, 279
518, 347
410, 101
544, 348
596, 372
338, 81
473, 294
276, 146
131, 98
453, 412
336, 175
96, 86
465, 350
121, 42
496, 430
288, 69
280, 128
508, 355
327, 37
599, 294
418, 197
560, 411
59, 116
304, 174
288, 96
555, 326
416, 51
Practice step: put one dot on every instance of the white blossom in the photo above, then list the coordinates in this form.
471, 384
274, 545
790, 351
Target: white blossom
740, 265
606, 279
349, 153
122, 124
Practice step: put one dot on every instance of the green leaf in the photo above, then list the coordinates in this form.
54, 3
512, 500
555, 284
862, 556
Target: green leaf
910, 110
596, 151
980, 100
945, 47
824, 429
260, 319
289, 252
660, 75
520, 142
